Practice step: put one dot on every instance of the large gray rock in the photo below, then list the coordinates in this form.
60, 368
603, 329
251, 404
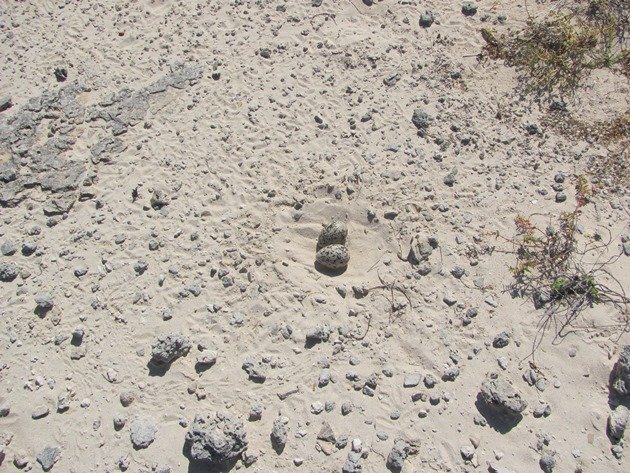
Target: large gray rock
48, 457
215, 439
8, 272
621, 373
500, 396
617, 422
169, 347
279, 433
397, 456
142, 432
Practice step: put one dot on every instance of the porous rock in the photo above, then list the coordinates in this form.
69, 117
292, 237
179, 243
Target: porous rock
499, 395
167, 348
215, 439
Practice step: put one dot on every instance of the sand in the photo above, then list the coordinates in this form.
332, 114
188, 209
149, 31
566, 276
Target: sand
259, 122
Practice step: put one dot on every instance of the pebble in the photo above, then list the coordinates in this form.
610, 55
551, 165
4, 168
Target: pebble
40, 411
142, 432
48, 457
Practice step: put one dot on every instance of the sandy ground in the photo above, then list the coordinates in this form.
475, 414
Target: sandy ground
280, 122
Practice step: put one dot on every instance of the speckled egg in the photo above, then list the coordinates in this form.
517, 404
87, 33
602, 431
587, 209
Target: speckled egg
333, 256
334, 233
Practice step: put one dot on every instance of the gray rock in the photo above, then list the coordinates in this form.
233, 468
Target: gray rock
255, 371
5, 103
5, 410
617, 422
421, 119
169, 347
426, 19
44, 301
48, 457
326, 433
412, 380
499, 395
450, 374
279, 433
458, 272
126, 398
40, 411
8, 248
621, 373
80, 271
397, 456
319, 334
255, 411
104, 150
324, 378
346, 408
142, 432
469, 8
28, 248
353, 463
119, 422
547, 462
159, 199
140, 266
8, 272
215, 439
501, 340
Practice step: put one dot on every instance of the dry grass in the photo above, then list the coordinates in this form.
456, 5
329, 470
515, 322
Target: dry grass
554, 55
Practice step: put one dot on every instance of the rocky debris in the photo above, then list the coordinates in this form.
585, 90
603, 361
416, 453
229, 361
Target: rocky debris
326, 433
47, 164
620, 382
48, 457
319, 334
617, 422
206, 360
119, 422
450, 374
420, 250
8, 248
255, 371
494, 468
105, 149
279, 433
61, 73
40, 411
501, 340
44, 301
159, 199
142, 432
426, 19
126, 398
168, 348
255, 411
469, 9
547, 462
5, 103
421, 120
5, 410
397, 456
8, 272
215, 439
499, 395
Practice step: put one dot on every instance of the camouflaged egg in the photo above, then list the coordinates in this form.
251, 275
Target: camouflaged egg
334, 233
333, 256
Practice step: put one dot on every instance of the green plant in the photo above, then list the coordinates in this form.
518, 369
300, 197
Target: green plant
562, 271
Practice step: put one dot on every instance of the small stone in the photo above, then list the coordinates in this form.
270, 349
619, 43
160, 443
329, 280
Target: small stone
5, 410
8, 272
8, 248
142, 432
561, 197
255, 411
467, 452
501, 340
426, 19
457, 272
412, 380
48, 457
119, 422
617, 422
326, 433
450, 374
397, 456
40, 411
469, 9
167, 348
44, 301
346, 408
127, 398
279, 433
547, 462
